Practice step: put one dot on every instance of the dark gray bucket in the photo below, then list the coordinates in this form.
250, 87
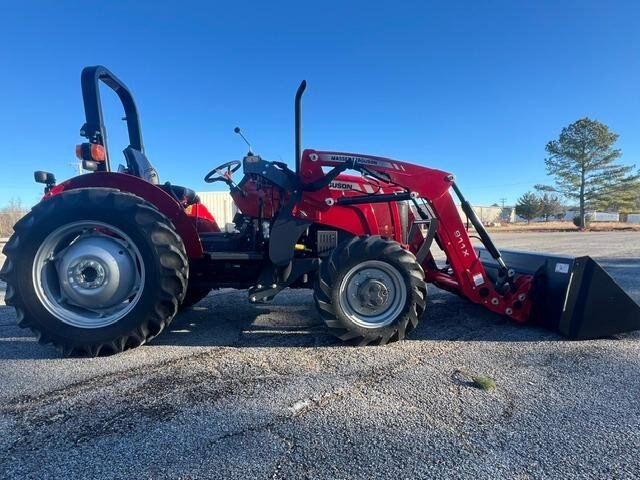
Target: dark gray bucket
572, 295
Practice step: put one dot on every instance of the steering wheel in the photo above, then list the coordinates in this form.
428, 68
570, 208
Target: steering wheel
223, 172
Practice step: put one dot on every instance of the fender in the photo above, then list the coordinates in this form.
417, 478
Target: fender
151, 193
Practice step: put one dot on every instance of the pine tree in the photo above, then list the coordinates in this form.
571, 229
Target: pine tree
582, 160
625, 200
528, 206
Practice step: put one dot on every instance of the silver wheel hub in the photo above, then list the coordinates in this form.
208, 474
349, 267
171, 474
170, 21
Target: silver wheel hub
88, 274
373, 294
95, 272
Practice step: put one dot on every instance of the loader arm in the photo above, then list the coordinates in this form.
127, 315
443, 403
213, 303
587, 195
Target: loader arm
466, 275
430, 191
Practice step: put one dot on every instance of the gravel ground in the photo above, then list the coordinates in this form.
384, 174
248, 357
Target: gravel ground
2, 285
241, 391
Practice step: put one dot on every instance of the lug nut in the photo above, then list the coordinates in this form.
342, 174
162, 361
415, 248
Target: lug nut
495, 301
522, 297
508, 311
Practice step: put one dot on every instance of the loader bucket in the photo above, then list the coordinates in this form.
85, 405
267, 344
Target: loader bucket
572, 295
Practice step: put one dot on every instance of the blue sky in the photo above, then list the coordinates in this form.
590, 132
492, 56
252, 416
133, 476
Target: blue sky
476, 88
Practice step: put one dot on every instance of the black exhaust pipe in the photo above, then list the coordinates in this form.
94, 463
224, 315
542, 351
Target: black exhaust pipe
572, 295
298, 125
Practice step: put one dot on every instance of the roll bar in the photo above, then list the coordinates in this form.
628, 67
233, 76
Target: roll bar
94, 129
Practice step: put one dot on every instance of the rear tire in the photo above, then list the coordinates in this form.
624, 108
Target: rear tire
370, 290
72, 248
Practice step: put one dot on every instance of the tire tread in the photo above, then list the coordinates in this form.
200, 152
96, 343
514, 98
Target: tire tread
366, 248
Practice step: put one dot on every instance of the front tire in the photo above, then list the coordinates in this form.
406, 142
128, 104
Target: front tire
95, 271
370, 290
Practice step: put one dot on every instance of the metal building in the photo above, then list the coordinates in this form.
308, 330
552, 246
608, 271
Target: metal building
221, 206
491, 214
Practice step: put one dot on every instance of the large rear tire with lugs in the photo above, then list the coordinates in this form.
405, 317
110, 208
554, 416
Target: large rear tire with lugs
370, 291
95, 270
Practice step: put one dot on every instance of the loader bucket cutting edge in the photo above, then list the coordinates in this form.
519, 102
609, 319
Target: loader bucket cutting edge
573, 295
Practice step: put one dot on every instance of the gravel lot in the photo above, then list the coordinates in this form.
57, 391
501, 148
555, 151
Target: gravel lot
241, 391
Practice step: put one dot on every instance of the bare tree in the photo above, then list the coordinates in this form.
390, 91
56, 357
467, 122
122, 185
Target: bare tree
9, 215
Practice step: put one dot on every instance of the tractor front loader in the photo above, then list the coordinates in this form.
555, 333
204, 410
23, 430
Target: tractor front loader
106, 260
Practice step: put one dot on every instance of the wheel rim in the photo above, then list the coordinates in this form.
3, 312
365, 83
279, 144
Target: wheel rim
88, 274
372, 294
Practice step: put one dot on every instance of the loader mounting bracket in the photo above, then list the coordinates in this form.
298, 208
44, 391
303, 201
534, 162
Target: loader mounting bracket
273, 279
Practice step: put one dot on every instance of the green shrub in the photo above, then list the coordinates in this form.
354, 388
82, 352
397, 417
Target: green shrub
587, 221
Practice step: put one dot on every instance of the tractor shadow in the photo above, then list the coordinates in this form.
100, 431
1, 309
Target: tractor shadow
228, 319
451, 318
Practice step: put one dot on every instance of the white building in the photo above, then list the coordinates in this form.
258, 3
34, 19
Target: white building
595, 216
221, 206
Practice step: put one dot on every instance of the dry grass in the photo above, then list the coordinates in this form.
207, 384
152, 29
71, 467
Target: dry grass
610, 226
565, 227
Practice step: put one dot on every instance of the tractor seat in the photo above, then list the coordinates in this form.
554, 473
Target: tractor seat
139, 165
183, 195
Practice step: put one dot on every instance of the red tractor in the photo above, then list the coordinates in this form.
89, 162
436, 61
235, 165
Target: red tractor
105, 261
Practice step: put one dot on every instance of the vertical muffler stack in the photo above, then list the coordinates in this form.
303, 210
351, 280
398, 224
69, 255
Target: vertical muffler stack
572, 295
